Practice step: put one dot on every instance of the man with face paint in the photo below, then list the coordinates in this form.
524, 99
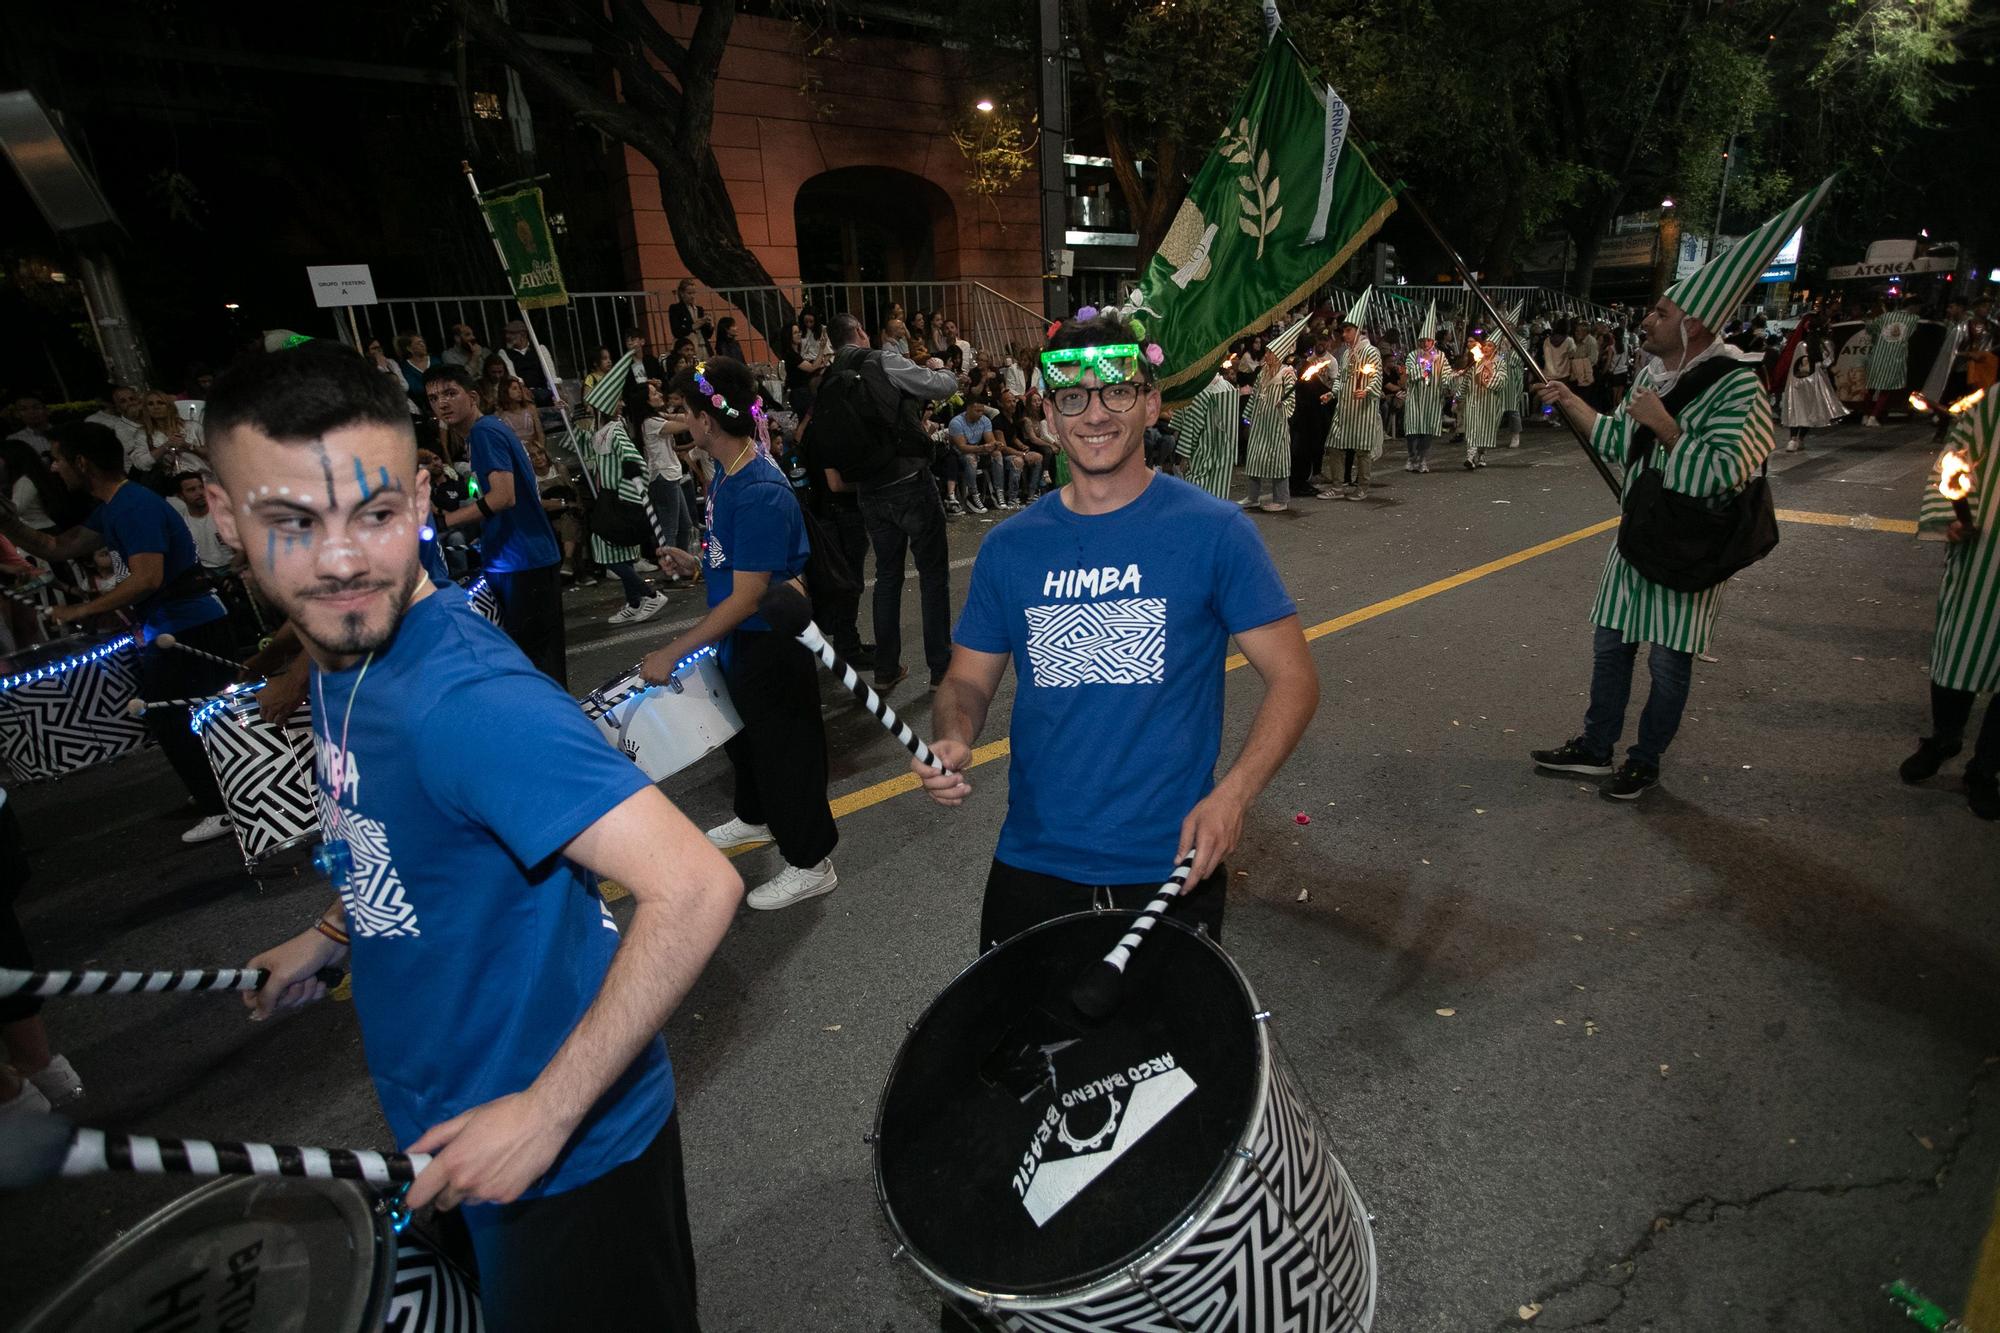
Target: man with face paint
509, 1029
166, 594
523, 560
1115, 601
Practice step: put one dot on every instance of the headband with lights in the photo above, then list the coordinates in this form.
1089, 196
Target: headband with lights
717, 401
1113, 363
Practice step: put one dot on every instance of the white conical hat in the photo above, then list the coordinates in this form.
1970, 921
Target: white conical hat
1710, 292
1286, 341
609, 391
1357, 314
1429, 330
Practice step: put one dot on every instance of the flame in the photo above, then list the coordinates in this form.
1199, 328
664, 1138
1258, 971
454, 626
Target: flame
1967, 403
1919, 403
1316, 367
1478, 353
1954, 476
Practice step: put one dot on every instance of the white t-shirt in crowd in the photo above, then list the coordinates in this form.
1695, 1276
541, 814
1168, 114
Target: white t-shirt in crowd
661, 460
34, 439
28, 503
209, 547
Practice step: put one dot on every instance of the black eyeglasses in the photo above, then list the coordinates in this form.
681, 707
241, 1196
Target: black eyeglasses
1073, 402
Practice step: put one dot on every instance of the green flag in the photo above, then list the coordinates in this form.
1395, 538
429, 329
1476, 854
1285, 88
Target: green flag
522, 229
1280, 204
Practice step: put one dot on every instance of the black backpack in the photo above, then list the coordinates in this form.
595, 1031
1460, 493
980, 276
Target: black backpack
618, 521
1690, 543
849, 431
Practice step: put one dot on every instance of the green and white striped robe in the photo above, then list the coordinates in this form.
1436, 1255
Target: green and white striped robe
1272, 403
1357, 422
1423, 394
1889, 352
1480, 405
1207, 431
1726, 434
610, 452
1965, 653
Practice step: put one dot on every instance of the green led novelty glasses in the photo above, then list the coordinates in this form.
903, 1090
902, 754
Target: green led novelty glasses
1065, 367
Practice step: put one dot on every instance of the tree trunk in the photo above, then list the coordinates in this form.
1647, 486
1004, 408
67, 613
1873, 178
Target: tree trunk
1591, 241
703, 222
1499, 262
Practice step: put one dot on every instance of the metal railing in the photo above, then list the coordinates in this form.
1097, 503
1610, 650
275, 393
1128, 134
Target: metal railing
990, 320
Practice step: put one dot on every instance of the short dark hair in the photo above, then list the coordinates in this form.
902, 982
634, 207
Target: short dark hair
93, 443
302, 393
846, 330
1106, 329
449, 372
180, 477
729, 378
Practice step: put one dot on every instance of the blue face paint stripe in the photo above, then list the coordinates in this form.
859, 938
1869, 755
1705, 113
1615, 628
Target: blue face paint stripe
387, 481
361, 480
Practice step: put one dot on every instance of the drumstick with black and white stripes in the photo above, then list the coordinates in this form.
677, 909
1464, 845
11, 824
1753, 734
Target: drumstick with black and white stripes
1097, 992
35, 1148
47, 985
789, 613
169, 641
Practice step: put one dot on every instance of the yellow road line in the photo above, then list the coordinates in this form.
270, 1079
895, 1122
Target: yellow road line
859, 800
1982, 1303
1861, 522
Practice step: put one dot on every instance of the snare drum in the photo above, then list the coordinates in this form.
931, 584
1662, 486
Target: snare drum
1156, 1171
267, 1255
484, 600
665, 728
266, 776
62, 705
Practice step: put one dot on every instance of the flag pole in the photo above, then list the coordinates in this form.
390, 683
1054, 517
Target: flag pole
534, 340
1513, 338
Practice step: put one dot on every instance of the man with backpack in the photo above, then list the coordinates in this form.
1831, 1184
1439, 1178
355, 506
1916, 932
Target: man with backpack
868, 432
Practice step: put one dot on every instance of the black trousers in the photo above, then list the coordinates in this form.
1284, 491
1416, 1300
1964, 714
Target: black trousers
1951, 710
531, 613
906, 517
840, 615
1017, 899
14, 951
613, 1254
780, 755
165, 673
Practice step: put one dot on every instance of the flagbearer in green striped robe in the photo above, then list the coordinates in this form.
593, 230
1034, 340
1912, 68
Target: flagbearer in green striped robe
1707, 420
1268, 459
1206, 428
1427, 379
1888, 358
1965, 652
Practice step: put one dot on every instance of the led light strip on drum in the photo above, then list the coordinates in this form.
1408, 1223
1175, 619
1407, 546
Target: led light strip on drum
203, 715
67, 665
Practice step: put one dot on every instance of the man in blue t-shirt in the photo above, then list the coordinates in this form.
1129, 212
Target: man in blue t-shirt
756, 537
974, 450
1115, 603
467, 805
520, 557
167, 593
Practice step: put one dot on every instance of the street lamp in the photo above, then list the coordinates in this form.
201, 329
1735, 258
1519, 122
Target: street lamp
984, 104
231, 305
1666, 203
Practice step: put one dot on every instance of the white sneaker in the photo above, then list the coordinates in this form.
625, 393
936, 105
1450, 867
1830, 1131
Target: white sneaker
626, 615
59, 1082
736, 833
794, 884
652, 606
208, 830
975, 506
645, 567
28, 1101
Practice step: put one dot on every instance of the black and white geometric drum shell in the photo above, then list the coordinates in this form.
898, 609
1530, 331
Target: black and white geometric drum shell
484, 600
263, 1254
62, 706
1154, 1173
266, 776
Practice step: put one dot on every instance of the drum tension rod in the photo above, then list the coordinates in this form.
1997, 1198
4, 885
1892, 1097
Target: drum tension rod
1158, 1304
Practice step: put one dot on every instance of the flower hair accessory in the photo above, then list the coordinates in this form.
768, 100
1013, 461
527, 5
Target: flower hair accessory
716, 400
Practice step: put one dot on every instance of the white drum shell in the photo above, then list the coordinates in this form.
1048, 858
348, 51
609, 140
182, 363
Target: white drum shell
73, 719
666, 728
266, 776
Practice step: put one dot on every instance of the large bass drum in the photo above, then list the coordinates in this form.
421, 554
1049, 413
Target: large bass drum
1155, 1173
267, 1255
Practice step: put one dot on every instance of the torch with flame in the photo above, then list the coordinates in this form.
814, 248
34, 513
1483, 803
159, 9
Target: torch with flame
1312, 371
1955, 484
1919, 403
1364, 371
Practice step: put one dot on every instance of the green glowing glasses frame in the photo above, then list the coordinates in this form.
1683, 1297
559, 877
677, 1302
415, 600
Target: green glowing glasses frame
1065, 367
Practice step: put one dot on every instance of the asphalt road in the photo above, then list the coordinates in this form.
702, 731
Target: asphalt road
1720, 1061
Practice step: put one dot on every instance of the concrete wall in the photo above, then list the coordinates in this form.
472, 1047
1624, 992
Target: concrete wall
891, 103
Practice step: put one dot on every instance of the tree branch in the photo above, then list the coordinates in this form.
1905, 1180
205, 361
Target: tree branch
1138, 200
620, 120
655, 37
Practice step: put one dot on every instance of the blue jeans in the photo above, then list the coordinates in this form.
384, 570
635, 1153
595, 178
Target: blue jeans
635, 587
1611, 688
1419, 447
671, 507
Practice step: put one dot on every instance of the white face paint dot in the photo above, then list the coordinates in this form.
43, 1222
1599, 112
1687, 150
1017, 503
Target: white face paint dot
284, 490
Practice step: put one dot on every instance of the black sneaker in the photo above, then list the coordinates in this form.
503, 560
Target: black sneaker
883, 684
1983, 795
863, 656
1928, 759
937, 679
1629, 783
1571, 757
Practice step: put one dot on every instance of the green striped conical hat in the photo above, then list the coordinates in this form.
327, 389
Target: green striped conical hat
1429, 330
1357, 314
1710, 292
609, 392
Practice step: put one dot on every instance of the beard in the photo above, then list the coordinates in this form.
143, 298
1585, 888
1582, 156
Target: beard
1134, 442
354, 633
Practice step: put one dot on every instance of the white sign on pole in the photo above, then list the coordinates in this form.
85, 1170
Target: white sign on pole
341, 284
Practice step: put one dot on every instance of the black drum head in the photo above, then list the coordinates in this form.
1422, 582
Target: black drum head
1023, 1150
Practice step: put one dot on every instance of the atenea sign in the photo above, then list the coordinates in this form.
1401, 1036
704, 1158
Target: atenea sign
520, 226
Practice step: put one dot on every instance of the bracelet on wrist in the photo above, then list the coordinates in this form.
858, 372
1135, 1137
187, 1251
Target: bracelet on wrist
332, 932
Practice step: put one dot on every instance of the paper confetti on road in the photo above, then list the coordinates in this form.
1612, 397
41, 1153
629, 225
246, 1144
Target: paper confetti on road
1302, 818
1528, 1312
831, 1027
1446, 1013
